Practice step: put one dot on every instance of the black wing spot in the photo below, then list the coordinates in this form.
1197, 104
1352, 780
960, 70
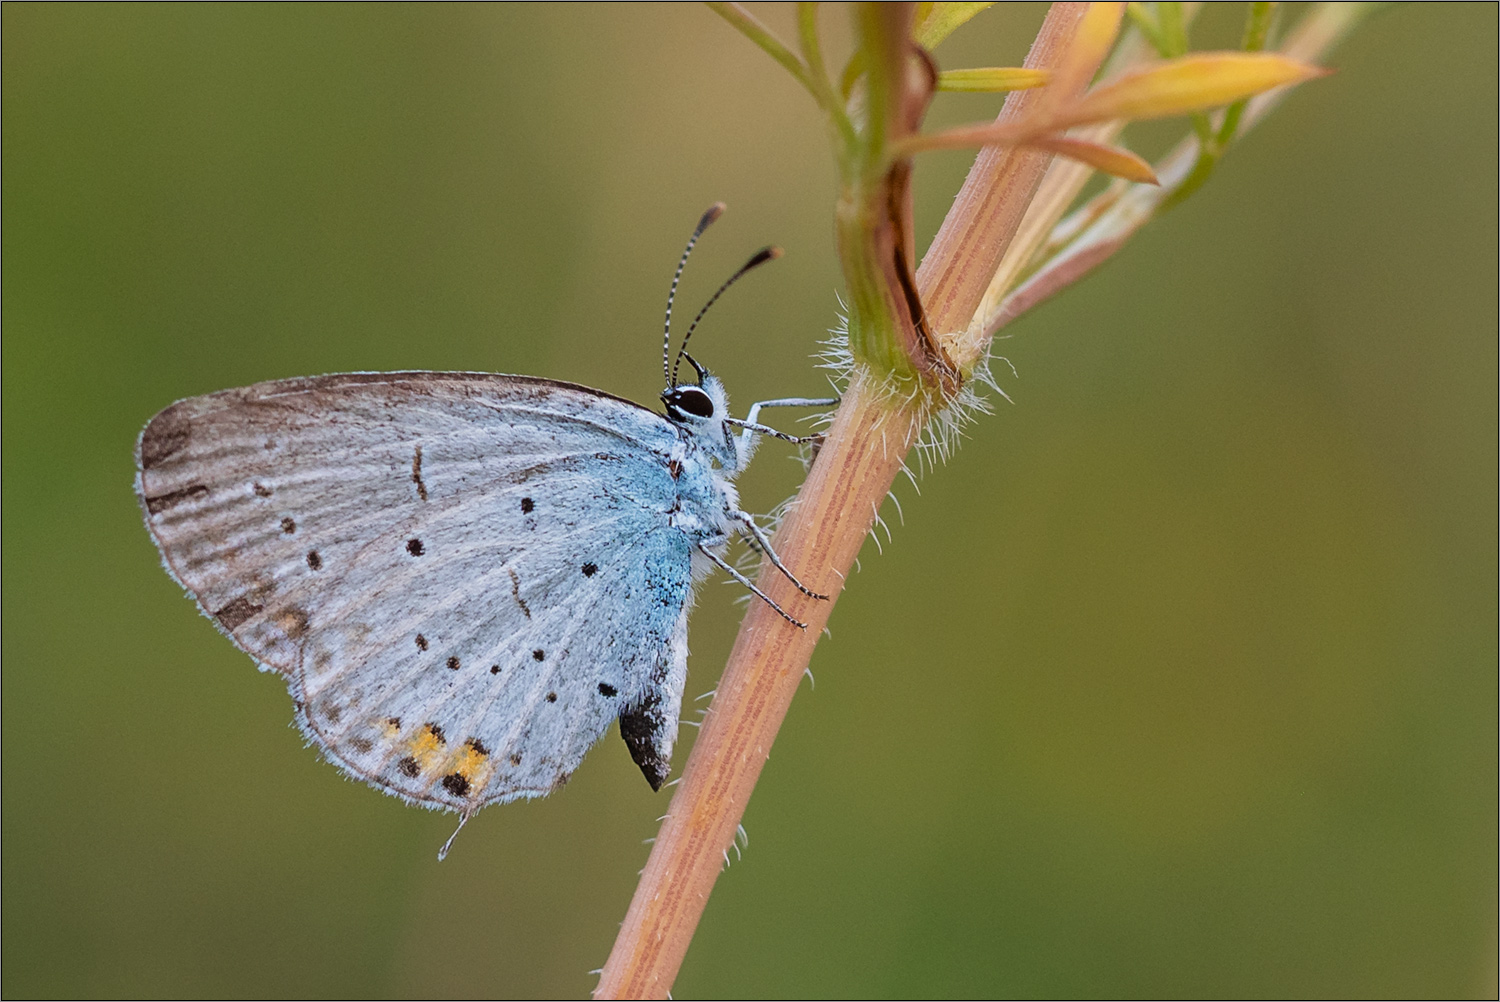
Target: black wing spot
538, 655
408, 767
590, 569
394, 722
361, 745
494, 669
605, 689
453, 663
421, 642
456, 784
236, 612
437, 733
414, 547
161, 502
260, 489
515, 592
551, 697
527, 505
313, 560
478, 746
515, 759
416, 473
288, 526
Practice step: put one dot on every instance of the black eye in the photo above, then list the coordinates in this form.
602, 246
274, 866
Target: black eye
692, 400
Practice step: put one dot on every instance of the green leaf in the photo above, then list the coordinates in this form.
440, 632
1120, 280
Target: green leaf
991, 79
936, 21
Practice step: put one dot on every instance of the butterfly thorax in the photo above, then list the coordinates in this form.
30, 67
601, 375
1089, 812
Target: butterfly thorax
704, 461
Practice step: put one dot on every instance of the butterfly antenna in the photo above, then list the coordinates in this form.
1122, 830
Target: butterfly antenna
714, 212
761, 257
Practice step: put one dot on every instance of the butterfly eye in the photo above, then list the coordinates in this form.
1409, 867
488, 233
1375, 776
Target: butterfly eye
692, 400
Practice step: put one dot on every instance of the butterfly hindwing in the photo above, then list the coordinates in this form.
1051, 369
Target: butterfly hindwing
465, 578
497, 690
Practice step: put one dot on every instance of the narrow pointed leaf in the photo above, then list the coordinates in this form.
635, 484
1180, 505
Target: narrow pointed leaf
1192, 83
1095, 34
991, 79
1112, 160
936, 21
982, 134
853, 70
1145, 23
762, 36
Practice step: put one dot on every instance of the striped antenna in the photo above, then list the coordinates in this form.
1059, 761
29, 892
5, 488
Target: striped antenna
714, 212
761, 257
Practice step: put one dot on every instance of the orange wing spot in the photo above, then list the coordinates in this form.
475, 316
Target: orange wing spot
472, 764
390, 728
427, 748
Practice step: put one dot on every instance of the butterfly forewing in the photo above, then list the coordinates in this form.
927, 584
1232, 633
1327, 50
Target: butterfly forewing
464, 578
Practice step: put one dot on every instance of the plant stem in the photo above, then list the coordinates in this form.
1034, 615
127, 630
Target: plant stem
1257, 28
987, 211
762, 36
812, 53
883, 412
819, 539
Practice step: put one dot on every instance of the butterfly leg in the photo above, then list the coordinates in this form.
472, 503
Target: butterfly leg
790, 402
752, 427
745, 519
728, 568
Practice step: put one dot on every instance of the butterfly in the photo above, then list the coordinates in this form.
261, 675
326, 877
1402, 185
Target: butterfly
464, 578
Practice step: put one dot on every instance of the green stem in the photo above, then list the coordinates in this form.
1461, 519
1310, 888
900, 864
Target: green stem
1146, 25
867, 231
1173, 43
1202, 168
1211, 146
812, 54
1257, 28
1173, 30
883, 75
747, 25
853, 70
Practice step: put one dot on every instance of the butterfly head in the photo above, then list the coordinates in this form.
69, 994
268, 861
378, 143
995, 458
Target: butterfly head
704, 400
700, 409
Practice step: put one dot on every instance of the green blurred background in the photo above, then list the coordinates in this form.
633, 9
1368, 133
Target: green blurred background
1179, 679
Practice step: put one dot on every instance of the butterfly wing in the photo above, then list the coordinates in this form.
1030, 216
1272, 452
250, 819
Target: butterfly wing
464, 578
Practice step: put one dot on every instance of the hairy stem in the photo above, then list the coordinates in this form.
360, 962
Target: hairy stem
974, 236
818, 541
872, 432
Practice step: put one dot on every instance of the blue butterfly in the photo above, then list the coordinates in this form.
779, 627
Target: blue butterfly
464, 578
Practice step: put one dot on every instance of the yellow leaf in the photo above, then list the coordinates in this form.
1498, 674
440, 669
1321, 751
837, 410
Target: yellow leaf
991, 79
1090, 43
936, 21
1192, 83
1109, 159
